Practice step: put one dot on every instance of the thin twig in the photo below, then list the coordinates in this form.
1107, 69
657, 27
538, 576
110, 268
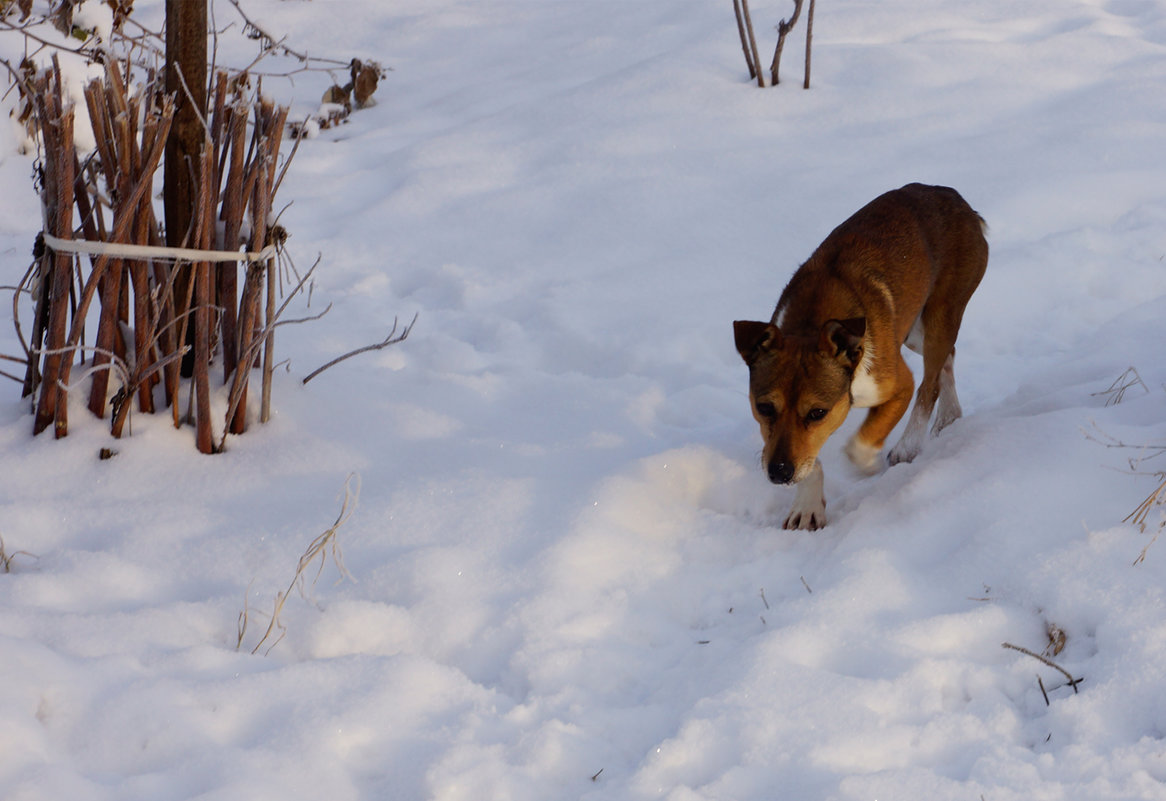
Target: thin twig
244, 617
1116, 391
1072, 681
1155, 498
1139, 515
782, 31
1148, 451
6, 558
386, 342
270, 44
809, 40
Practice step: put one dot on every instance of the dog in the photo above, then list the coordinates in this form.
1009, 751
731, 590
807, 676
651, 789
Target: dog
899, 272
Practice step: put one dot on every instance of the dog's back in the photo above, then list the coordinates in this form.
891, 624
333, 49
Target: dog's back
886, 260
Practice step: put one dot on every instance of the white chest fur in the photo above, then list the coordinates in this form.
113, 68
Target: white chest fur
864, 391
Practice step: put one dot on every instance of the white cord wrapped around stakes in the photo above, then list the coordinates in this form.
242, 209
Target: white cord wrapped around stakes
122, 250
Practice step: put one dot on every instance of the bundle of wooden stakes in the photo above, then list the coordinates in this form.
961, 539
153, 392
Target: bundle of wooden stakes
162, 312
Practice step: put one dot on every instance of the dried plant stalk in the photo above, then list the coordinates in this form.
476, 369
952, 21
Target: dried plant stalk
744, 39
6, 559
809, 41
753, 44
325, 545
1139, 516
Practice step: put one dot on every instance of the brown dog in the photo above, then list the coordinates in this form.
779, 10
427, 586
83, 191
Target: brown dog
900, 271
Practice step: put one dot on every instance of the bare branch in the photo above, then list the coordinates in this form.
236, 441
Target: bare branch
782, 31
386, 342
269, 44
1146, 451
1072, 681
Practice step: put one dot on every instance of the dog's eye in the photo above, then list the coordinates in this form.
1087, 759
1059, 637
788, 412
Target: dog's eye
814, 415
766, 410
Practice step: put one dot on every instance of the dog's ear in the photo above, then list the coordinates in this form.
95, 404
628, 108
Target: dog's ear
754, 338
842, 340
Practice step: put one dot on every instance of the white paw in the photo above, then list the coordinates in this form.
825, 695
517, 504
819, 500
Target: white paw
808, 512
912, 441
864, 457
805, 520
947, 414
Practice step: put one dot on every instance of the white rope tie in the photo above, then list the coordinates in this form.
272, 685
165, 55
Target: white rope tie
120, 250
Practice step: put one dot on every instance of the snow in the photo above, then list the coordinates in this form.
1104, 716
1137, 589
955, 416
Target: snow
568, 575
95, 18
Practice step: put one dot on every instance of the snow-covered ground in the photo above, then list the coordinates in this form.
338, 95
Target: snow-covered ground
569, 579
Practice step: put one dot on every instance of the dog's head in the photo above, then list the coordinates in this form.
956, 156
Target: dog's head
799, 388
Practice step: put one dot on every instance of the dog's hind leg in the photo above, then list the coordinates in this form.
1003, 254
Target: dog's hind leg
909, 445
948, 406
940, 325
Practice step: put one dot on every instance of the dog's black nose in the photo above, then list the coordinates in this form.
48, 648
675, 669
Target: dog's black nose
780, 472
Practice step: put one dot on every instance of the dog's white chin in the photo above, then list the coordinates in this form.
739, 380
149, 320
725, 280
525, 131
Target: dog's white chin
804, 470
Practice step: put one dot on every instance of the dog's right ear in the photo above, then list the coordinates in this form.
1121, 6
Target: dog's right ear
843, 339
753, 338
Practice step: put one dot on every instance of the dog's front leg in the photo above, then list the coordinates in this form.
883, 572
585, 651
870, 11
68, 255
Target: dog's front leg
866, 443
809, 507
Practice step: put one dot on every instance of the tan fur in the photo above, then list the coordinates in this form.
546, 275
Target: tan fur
905, 264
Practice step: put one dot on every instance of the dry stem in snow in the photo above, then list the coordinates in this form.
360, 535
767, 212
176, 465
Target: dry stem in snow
320, 548
7, 558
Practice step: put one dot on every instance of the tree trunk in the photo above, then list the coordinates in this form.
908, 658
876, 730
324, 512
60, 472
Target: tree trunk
186, 79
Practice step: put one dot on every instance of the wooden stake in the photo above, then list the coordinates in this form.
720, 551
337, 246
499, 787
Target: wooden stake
57, 125
205, 220
269, 344
131, 134
232, 215
100, 266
